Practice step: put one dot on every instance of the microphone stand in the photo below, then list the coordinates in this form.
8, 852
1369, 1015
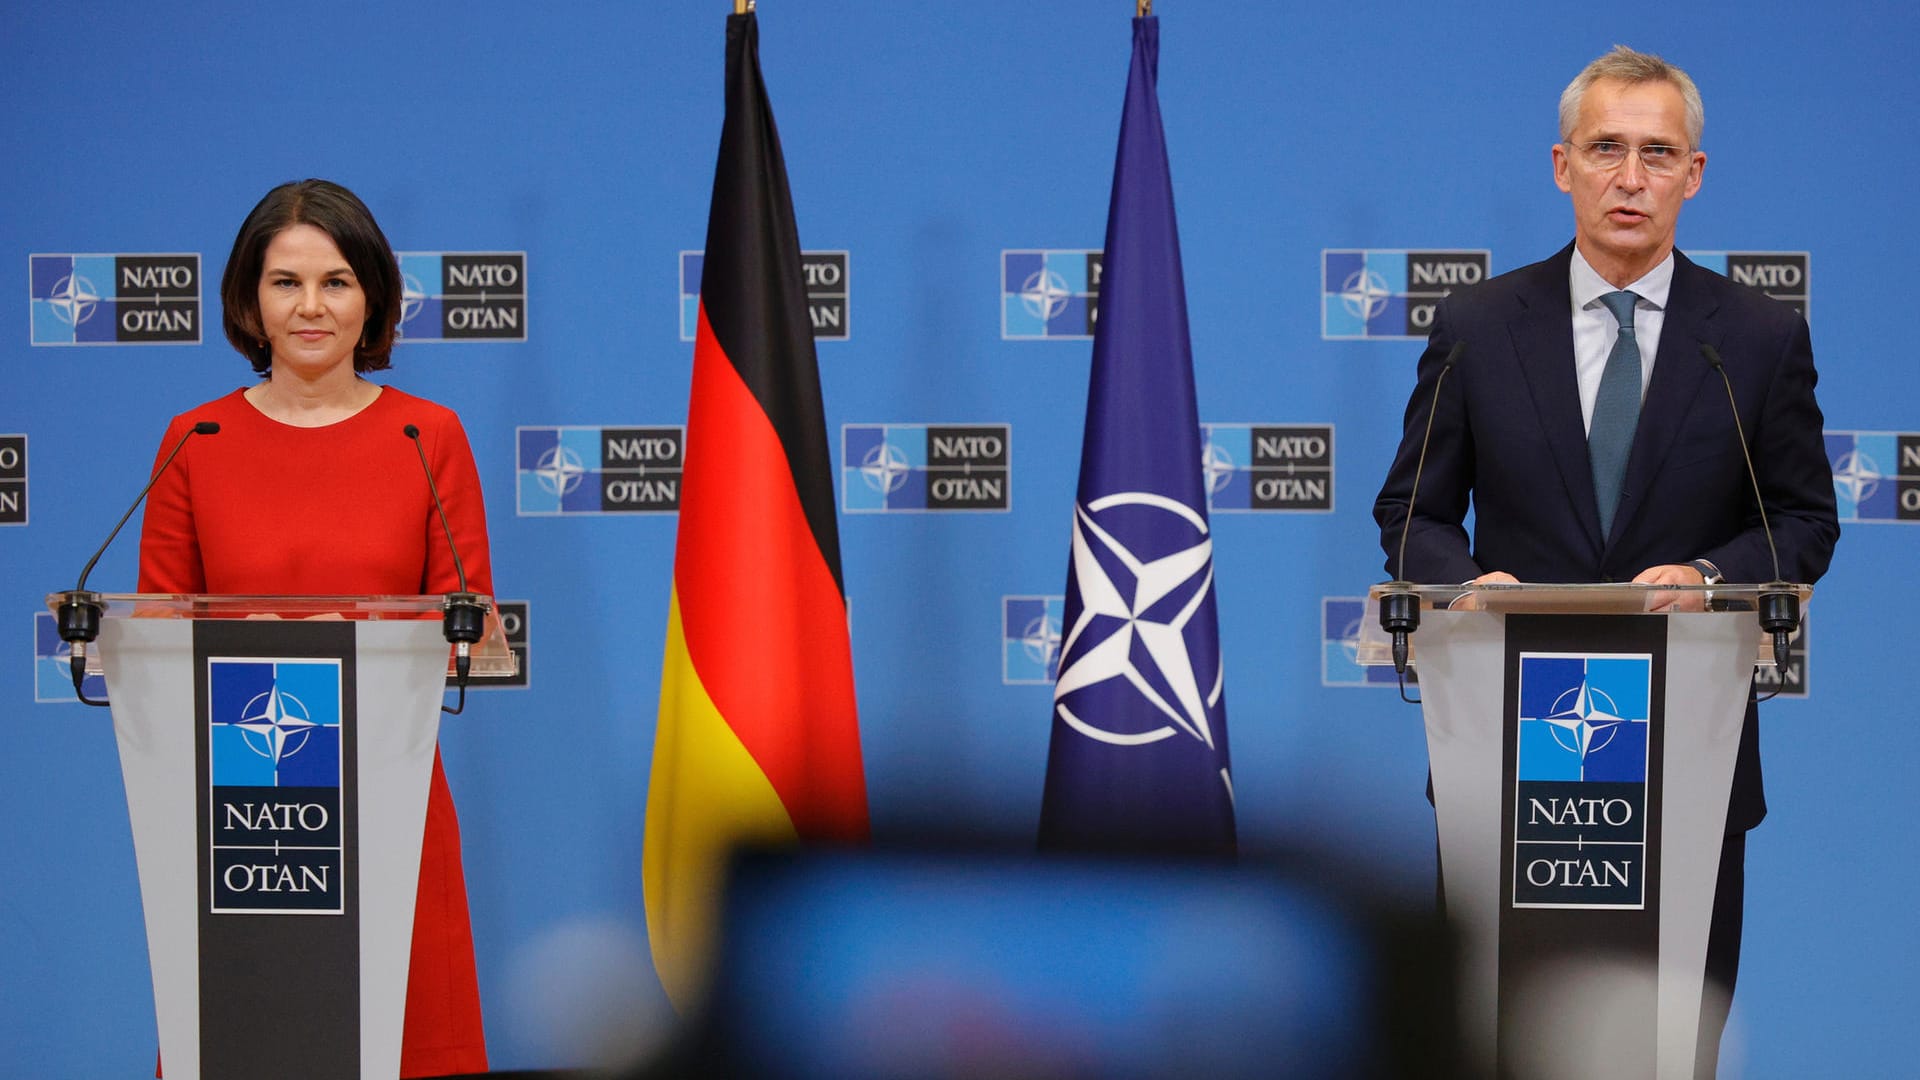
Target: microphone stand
1399, 605
1779, 605
464, 615
80, 611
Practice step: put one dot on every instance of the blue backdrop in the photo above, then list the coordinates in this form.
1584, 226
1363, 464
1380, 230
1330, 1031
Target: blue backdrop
924, 141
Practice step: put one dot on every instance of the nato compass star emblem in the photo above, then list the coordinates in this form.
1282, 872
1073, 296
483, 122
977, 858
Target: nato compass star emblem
1133, 620
559, 470
73, 299
1045, 293
1365, 293
1584, 720
1041, 640
1218, 464
1856, 476
1350, 644
885, 468
275, 725
413, 296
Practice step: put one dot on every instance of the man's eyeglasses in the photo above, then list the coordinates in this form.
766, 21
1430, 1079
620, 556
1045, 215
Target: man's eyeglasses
1657, 159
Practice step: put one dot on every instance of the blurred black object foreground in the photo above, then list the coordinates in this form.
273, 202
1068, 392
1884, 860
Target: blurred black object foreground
966, 963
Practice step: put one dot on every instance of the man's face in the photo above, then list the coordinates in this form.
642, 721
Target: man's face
1624, 216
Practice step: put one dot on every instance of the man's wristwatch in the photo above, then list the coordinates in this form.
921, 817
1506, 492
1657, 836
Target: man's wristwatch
1709, 573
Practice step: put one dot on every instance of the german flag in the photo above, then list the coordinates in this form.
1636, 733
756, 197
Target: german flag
758, 739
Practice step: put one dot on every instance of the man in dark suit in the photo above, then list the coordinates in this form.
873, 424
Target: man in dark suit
1592, 439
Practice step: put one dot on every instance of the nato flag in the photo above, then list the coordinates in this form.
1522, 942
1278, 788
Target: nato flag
1138, 757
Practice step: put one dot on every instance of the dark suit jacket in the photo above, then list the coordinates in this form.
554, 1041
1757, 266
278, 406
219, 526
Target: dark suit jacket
1508, 437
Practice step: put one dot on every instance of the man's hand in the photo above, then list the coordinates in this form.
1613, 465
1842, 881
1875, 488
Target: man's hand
1471, 601
1673, 575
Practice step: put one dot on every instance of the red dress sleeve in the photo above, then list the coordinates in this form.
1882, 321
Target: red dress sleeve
169, 544
459, 483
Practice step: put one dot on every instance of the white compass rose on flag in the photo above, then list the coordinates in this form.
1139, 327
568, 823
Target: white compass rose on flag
1132, 624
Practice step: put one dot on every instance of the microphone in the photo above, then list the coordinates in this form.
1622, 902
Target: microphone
1779, 601
80, 610
465, 613
1399, 607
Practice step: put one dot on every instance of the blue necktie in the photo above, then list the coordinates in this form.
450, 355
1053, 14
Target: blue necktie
1616, 412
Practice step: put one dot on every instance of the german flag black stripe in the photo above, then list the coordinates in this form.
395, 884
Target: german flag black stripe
753, 253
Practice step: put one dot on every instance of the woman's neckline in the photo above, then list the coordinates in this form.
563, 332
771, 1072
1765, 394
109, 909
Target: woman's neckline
333, 419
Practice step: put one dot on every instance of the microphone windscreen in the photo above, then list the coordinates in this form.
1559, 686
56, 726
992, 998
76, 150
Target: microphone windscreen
410, 431
206, 427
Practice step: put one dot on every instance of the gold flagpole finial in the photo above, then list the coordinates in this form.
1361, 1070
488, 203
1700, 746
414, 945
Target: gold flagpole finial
742, 7
1144, 8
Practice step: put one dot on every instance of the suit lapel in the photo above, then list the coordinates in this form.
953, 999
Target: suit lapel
1679, 374
1542, 335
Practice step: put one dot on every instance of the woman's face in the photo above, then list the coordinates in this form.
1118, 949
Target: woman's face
311, 306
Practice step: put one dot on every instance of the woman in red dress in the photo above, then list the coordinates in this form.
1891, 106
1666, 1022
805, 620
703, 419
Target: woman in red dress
312, 487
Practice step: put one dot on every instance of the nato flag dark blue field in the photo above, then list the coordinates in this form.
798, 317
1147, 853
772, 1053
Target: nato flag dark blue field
1138, 758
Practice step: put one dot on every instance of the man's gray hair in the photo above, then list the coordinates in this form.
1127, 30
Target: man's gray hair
1629, 66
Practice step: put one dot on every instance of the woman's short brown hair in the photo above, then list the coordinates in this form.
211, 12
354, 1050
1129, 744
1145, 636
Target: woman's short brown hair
343, 217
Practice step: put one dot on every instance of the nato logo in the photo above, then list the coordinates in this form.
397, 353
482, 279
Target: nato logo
1030, 639
898, 468
13, 479
274, 749
1253, 467
1780, 274
1050, 294
143, 299
463, 295
1580, 801
1140, 661
1340, 646
823, 272
513, 623
52, 671
1876, 475
599, 470
1382, 293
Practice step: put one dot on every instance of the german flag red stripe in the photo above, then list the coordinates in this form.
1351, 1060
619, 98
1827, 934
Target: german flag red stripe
758, 736
764, 618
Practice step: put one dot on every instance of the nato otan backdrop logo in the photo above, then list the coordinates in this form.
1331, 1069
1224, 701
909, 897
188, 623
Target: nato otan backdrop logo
825, 274
1340, 646
1782, 275
1030, 629
598, 470
1370, 293
1876, 475
13, 479
913, 468
127, 299
1268, 467
463, 295
1049, 294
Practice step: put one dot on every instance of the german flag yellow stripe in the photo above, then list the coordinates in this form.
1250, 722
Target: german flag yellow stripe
706, 797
